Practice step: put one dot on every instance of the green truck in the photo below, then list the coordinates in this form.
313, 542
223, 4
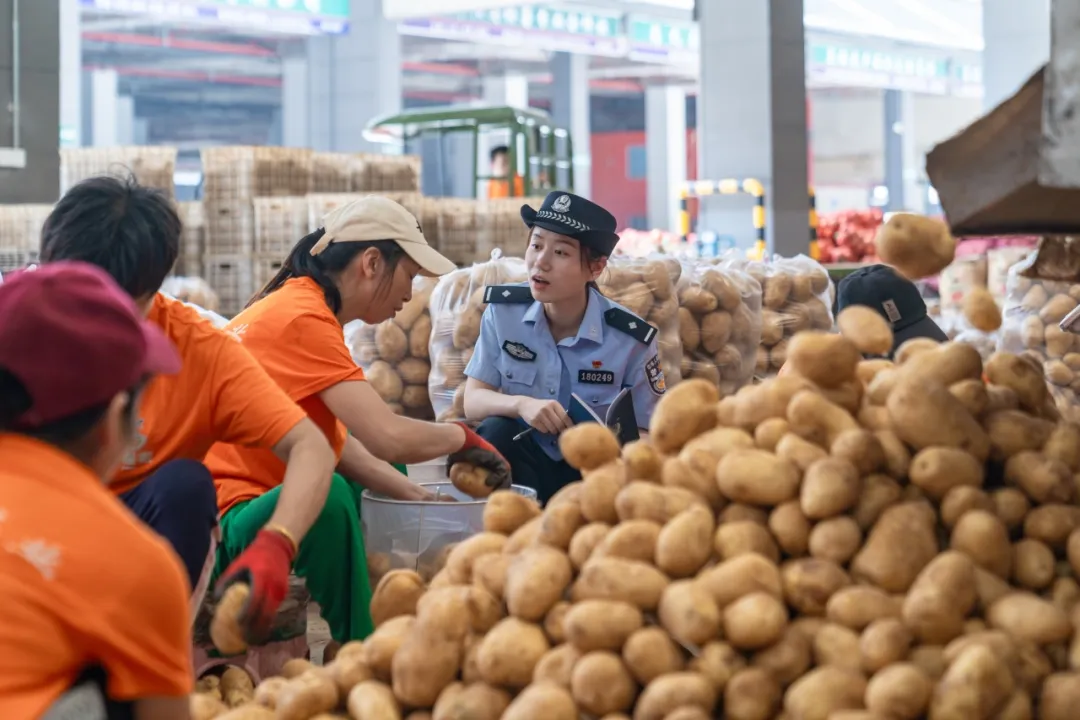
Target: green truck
539, 152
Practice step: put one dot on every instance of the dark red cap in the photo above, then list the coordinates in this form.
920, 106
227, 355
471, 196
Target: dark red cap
75, 339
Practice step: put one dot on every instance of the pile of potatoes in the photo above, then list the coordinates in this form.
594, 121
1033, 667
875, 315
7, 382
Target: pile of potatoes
796, 295
719, 325
855, 540
394, 354
958, 328
647, 288
457, 306
1033, 310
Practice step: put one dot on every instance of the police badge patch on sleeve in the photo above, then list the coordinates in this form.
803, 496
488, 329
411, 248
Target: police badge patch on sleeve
519, 351
655, 376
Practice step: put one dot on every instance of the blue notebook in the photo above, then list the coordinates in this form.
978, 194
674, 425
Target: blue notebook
620, 417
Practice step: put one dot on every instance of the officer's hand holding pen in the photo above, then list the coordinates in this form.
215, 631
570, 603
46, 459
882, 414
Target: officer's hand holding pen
547, 416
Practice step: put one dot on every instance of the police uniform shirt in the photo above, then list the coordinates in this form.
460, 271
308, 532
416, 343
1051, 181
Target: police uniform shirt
613, 349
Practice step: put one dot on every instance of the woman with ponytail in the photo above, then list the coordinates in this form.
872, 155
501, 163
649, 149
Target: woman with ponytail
359, 266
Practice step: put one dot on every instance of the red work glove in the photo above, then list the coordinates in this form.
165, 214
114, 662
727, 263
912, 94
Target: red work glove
479, 452
264, 566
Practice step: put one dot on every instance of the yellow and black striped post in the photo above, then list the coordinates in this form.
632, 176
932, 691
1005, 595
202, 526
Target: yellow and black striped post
730, 186
753, 188
815, 251
684, 213
756, 190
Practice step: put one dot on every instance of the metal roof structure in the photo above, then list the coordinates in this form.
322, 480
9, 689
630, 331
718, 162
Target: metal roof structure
199, 81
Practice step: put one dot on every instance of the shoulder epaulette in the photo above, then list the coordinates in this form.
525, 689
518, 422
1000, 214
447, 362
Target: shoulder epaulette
507, 294
631, 324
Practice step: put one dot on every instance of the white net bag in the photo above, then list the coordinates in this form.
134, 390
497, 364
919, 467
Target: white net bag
719, 324
394, 353
796, 295
457, 306
1040, 291
646, 287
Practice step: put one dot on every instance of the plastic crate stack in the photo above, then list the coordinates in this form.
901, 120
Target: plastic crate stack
151, 166
189, 263
319, 205
282, 221
469, 230
500, 226
279, 223
20, 234
233, 178
332, 172
385, 173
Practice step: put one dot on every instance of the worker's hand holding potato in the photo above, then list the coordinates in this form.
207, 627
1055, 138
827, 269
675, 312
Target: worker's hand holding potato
264, 568
480, 453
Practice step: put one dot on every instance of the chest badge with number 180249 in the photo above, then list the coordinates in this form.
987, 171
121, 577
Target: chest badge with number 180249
596, 377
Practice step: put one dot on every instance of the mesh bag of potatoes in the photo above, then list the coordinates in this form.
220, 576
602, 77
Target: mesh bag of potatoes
719, 325
796, 295
646, 287
959, 328
1040, 292
394, 353
856, 539
457, 306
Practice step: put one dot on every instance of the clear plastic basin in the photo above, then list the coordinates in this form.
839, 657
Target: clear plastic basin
418, 535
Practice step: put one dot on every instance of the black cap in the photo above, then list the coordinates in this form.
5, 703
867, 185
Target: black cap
896, 299
576, 217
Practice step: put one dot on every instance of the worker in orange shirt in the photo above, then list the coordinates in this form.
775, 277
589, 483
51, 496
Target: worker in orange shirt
500, 168
221, 394
360, 266
95, 620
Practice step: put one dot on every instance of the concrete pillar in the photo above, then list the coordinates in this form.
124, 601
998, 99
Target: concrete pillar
30, 171
352, 79
275, 133
904, 165
665, 153
125, 120
295, 111
752, 117
570, 108
1017, 43
914, 162
894, 149
140, 131
70, 74
320, 94
104, 108
508, 89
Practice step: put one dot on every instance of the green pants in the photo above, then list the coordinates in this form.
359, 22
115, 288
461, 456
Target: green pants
332, 559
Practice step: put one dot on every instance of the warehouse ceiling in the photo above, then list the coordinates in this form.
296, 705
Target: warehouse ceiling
197, 81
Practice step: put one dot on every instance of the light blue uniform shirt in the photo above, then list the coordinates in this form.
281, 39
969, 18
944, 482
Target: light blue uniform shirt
613, 349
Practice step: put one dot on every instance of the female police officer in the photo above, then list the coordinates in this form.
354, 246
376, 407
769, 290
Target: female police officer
555, 335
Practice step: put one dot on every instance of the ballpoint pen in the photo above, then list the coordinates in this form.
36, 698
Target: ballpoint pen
523, 433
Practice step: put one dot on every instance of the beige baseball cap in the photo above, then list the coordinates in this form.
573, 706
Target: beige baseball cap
374, 217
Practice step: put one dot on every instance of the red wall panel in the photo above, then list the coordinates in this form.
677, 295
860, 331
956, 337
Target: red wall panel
611, 185
625, 197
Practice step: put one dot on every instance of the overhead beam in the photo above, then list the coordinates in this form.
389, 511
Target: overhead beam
219, 78
178, 43
229, 65
402, 9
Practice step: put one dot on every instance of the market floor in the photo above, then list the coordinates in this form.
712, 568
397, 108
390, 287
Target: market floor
318, 633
